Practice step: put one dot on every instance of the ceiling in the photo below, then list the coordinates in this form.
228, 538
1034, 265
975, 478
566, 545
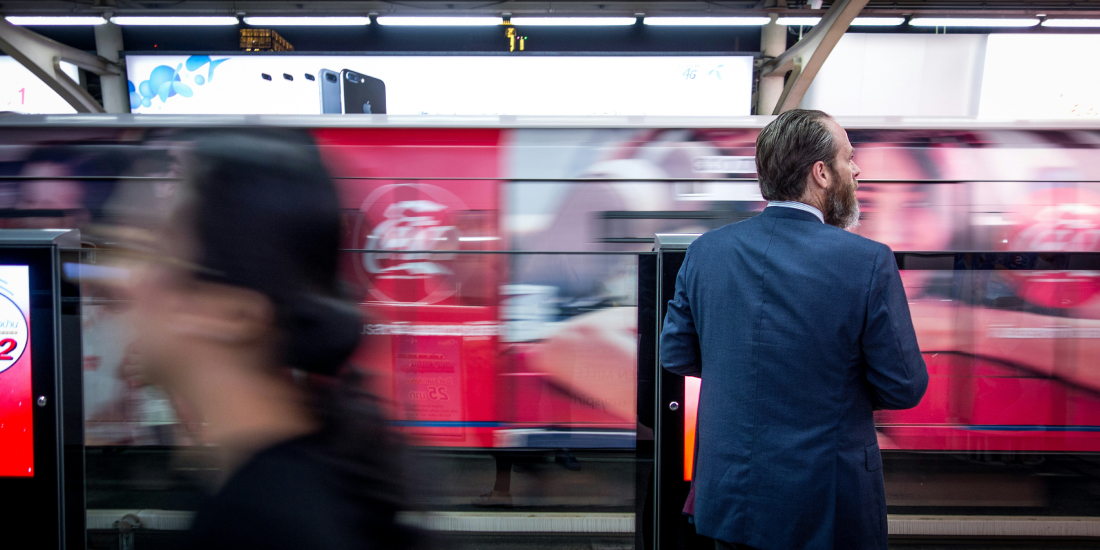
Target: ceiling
556, 7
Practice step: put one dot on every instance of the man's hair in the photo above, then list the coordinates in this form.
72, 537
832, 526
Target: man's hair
787, 148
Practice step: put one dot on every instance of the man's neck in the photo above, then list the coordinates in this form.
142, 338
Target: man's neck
816, 200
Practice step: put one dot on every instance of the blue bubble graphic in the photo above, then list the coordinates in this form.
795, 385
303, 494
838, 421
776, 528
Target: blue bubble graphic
196, 61
210, 73
135, 99
199, 80
182, 89
146, 102
160, 75
130, 83
165, 91
146, 89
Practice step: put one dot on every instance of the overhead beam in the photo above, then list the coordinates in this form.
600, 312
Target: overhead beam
809, 54
43, 57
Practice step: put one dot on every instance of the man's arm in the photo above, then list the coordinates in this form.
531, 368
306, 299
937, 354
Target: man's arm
679, 341
895, 368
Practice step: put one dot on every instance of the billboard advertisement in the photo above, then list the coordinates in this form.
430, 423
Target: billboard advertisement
1023, 81
441, 85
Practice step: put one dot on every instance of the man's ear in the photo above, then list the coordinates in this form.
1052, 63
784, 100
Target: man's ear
223, 313
819, 173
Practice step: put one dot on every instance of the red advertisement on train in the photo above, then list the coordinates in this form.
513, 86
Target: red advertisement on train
420, 204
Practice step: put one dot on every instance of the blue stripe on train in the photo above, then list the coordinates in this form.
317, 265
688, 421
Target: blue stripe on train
1031, 428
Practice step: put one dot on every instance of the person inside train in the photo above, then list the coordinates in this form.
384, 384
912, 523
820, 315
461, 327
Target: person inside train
240, 316
54, 192
799, 331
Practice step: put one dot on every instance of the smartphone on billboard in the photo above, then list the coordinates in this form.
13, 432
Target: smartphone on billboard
362, 93
329, 84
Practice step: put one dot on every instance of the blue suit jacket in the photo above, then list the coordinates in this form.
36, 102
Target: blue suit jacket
799, 331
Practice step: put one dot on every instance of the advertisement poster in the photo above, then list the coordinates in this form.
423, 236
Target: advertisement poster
1022, 81
427, 375
16, 414
441, 85
22, 92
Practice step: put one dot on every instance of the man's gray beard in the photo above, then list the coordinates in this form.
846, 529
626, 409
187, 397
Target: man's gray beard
843, 209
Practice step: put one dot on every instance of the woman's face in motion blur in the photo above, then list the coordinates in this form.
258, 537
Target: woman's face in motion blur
158, 291
183, 323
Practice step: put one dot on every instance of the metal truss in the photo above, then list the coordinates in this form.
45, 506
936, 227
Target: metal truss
805, 58
43, 57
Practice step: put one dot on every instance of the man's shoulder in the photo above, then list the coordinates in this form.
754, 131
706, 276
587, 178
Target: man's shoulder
722, 235
855, 241
832, 237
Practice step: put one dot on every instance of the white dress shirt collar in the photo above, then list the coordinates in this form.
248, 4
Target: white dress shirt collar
799, 206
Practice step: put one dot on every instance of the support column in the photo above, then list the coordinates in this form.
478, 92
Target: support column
773, 40
108, 44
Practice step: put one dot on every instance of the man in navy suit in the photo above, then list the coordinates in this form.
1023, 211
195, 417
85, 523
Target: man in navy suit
799, 330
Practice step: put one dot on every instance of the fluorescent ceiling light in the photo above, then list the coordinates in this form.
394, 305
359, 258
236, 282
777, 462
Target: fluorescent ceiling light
307, 21
1071, 23
174, 21
48, 20
414, 21
798, 21
877, 21
570, 21
707, 21
970, 22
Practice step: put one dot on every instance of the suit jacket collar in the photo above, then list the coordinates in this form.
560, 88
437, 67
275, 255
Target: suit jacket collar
789, 213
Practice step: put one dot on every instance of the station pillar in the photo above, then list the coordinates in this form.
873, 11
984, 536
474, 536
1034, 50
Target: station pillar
108, 44
773, 41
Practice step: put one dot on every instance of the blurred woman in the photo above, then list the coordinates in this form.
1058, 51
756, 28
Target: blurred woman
241, 318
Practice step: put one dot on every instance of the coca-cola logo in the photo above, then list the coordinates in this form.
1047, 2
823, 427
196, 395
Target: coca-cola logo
1056, 220
408, 228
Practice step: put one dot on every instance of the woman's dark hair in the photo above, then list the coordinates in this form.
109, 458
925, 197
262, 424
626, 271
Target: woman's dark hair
787, 148
265, 215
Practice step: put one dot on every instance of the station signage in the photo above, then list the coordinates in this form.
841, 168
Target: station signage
22, 92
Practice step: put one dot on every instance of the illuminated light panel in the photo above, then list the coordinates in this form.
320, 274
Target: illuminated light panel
708, 21
574, 21
798, 21
169, 21
413, 21
970, 22
877, 21
307, 21
1071, 23
49, 20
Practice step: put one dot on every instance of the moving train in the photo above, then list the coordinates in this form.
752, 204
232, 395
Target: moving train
496, 263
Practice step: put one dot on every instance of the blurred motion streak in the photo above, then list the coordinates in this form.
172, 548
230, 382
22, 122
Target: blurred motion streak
532, 350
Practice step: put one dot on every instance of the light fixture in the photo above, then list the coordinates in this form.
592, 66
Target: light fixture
970, 22
707, 21
798, 21
877, 21
181, 21
414, 21
307, 21
1071, 23
49, 20
574, 21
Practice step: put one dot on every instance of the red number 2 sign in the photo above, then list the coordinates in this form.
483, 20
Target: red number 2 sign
7, 345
